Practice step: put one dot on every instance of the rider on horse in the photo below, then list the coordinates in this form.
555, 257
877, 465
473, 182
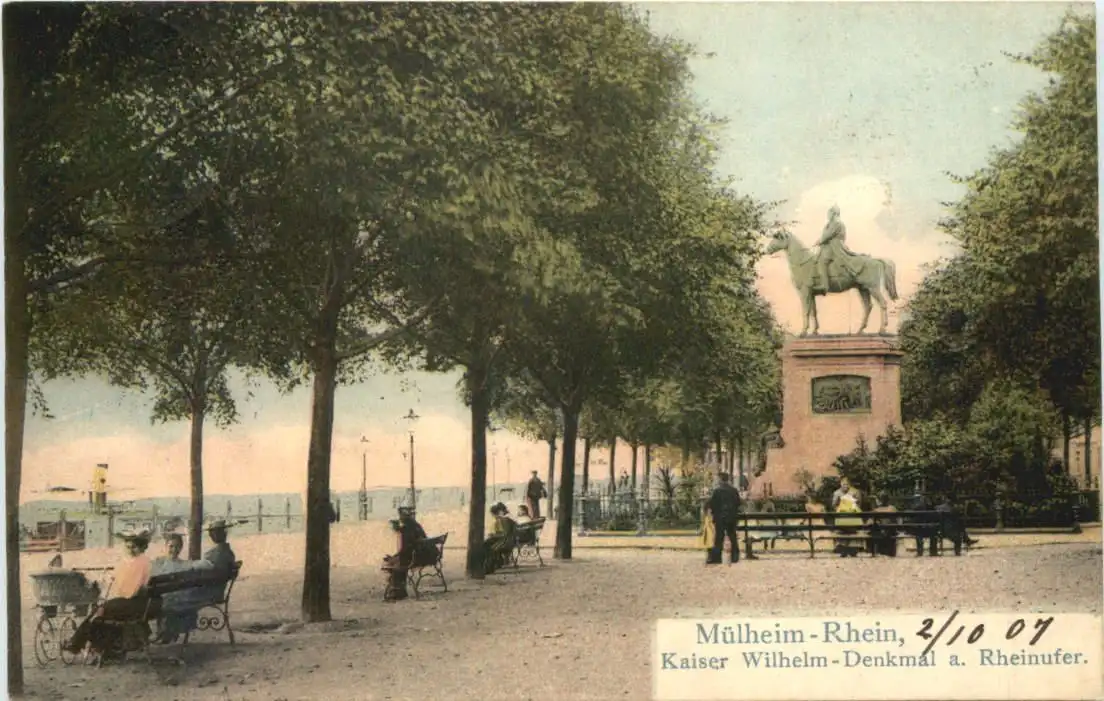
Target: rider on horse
833, 246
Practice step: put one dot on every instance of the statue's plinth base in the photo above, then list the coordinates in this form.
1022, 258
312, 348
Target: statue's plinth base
813, 437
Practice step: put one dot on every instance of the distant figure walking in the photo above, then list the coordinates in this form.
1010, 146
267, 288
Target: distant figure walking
534, 492
724, 508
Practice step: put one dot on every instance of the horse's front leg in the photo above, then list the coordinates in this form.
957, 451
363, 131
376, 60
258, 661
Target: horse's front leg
865, 296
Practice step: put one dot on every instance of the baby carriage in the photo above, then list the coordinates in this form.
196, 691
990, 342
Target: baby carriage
63, 598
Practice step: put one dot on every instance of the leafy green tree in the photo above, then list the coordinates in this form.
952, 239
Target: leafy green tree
175, 333
1021, 301
338, 192
94, 104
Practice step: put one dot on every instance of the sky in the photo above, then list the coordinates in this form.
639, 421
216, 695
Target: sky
867, 105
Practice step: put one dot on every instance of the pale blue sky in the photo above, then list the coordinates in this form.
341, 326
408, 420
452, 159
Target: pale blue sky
823, 99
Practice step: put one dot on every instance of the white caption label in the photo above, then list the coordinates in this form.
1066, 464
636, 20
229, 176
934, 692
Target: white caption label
948, 656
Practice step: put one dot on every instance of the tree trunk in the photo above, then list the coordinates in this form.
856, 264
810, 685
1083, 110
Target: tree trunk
646, 486
731, 467
551, 489
613, 466
1088, 453
562, 549
685, 455
480, 411
1066, 443
740, 449
635, 448
586, 465
718, 445
316, 571
16, 368
195, 525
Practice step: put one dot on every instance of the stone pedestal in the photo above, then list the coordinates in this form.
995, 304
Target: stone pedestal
835, 389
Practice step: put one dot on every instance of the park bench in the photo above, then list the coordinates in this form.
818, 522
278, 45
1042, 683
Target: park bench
816, 527
773, 531
220, 618
134, 631
426, 561
527, 542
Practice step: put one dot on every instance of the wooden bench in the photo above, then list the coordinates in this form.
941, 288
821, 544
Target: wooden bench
805, 526
134, 631
221, 606
527, 542
774, 532
426, 561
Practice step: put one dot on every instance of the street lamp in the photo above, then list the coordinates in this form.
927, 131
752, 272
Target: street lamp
494, 472
492, 429
412, 418
364, 481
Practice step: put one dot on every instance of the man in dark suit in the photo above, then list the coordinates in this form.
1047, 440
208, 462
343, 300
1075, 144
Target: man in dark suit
724, 507
926, 526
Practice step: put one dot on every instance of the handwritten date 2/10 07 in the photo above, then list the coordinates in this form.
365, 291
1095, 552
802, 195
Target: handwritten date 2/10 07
977, 632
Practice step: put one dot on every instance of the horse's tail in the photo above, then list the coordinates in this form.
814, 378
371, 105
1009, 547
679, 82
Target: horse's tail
890, 276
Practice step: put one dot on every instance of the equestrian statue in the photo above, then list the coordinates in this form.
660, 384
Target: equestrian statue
835, 269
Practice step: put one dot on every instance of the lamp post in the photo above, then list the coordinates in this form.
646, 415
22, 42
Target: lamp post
494, 473
364, 481
412, 418
492, 429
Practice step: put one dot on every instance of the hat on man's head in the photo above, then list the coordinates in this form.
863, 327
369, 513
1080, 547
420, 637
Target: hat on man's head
218, 524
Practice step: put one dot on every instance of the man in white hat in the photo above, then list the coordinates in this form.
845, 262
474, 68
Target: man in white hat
221, 555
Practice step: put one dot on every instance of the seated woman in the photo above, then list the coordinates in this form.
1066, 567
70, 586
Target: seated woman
179, 609
496, 548
130, 600
409, 533
848, 525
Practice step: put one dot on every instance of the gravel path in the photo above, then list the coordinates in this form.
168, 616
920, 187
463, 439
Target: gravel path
586, 623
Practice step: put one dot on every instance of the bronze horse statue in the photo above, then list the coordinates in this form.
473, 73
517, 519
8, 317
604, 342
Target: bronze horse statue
853, 272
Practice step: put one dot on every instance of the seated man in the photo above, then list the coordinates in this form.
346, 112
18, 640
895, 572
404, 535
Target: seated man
181, 608
883, 534
925, 526
129, 601
951, 525
410, 533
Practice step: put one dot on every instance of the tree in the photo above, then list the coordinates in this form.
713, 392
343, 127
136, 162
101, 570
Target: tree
176, 332
1027, 226
490, 268
71, 138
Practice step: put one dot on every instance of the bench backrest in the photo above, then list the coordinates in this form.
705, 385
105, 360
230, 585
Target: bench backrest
162, 584
529, 532
429, 551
